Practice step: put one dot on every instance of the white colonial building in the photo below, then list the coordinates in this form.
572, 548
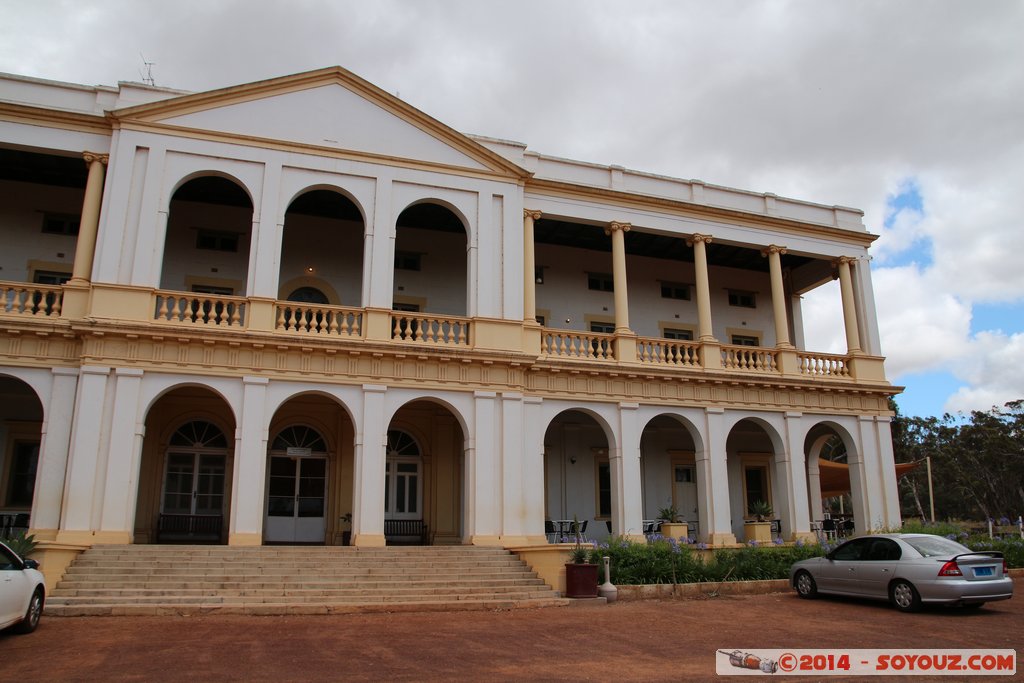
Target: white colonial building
302, 311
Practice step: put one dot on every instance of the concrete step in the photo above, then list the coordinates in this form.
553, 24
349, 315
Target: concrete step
112, 609
286, 580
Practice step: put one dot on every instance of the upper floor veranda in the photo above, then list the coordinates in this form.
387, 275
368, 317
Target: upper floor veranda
316, 215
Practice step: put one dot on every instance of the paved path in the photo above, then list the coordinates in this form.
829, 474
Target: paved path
658, 640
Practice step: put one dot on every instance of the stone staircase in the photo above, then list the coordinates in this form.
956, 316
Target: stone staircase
139, 580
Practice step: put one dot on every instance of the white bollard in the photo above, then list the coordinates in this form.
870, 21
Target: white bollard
606, 590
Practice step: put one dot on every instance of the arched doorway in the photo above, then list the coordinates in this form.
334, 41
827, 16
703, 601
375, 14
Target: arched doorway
21, 419
753, 483
209, 231
322, 250
192, 496
577, 477
431, 261
424, 475
184, 493
297, 487
669, 473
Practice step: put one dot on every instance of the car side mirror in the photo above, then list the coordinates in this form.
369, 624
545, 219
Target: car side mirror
31, 564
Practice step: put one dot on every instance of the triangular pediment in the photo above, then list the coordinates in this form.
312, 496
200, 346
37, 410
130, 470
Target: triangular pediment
327, 109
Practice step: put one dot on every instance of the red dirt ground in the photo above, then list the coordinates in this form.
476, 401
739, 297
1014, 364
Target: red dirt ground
654, 640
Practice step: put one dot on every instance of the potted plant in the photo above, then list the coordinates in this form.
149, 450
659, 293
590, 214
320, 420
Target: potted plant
760, 528
580, 571
673, 525
346, 532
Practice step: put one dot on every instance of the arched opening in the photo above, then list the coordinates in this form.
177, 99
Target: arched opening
209, 231
184, 491
322, 250
669, 474
309, 473
578, 483
430, 261
21, 420
424, 476
755, 494
830, 482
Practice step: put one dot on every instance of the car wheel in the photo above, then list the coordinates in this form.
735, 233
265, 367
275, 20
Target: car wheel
904, 596
805, 586
32, 614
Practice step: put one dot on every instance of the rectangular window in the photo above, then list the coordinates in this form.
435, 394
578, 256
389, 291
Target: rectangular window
216, 240
673, 290
604, 489
681, 335
684, 474
213, 289
50, 277
600, 282
23, 473
604, 328
61, 224
408, 308
407, 260
745, 340
541, 320
742, 299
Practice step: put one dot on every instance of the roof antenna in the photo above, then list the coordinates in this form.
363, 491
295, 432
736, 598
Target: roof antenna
147, 75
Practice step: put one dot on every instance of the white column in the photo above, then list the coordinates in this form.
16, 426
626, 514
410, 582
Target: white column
250, 470
81, 484
791, 473
267, 232
483, 472
532, 468
618, 232
514, 523
864, 293
85, 245
529, 266
814, 501
380, 250
774, 254
849, 305
882, 509
369, 471
123, 456
713, 475
53, 454
703, 285
624, 461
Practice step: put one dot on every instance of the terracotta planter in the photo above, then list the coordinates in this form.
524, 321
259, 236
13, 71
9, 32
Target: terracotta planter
581, 580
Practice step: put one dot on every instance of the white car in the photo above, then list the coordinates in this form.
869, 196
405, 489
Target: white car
22, 592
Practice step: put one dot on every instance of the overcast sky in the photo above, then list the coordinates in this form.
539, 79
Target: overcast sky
910, 110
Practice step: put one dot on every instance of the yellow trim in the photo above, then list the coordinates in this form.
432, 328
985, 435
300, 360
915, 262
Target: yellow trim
237, 287
758, 461
412, 300
681, 459
187, 104
744, 332
678, 208
692, 329
602, 319
51, 118
35, 265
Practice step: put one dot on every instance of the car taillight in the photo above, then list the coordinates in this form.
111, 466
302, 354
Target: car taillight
1006, 570
950, 569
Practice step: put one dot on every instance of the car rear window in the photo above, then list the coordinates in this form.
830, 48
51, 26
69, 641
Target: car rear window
933, 546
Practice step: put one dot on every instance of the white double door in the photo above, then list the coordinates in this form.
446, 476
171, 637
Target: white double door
296, 500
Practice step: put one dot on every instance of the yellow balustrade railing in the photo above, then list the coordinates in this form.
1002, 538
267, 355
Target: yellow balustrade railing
424, 328
19, 298
572, 344
749, 359
823, 365
188, 308
331, 321
671, 352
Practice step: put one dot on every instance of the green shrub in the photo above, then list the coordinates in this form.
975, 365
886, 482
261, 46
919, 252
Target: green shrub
663, 560
22, 543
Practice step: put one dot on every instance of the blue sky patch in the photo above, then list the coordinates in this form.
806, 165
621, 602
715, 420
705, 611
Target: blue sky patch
1008, 317
907, 199
925, 394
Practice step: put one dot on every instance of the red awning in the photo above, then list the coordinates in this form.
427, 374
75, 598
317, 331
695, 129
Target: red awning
835, 476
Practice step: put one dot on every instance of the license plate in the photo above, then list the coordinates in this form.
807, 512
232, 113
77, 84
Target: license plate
984, 571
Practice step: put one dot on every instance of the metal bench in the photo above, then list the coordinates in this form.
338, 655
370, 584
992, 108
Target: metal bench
190, 528
405, 532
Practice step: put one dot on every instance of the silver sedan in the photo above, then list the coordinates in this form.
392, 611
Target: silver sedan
908, 570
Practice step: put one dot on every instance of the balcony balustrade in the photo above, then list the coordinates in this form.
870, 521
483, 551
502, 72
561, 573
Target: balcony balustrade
31, 300
669, 352
314, 319
570, 344
423, 328
199, 309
